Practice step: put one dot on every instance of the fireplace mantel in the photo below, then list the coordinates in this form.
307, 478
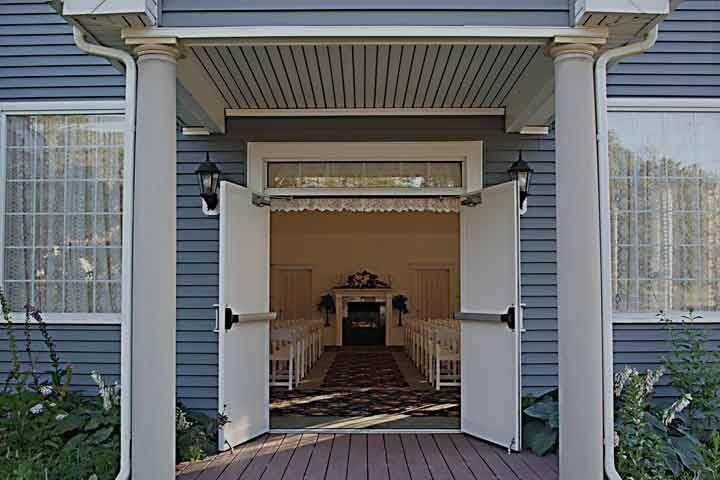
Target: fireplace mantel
344, 296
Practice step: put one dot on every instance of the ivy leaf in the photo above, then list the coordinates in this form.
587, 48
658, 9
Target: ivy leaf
546, 409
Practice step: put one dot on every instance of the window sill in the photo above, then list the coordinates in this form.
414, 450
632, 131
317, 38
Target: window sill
676, 317
72, 318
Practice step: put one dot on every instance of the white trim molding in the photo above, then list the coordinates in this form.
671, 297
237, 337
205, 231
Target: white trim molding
649, 104
361, 112
663, 104
470, 153
64, 108
372, 34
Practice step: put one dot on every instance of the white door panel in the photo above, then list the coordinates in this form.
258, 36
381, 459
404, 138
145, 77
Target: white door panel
490, 349
245, 289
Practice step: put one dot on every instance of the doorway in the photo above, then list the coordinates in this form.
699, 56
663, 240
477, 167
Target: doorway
489, 333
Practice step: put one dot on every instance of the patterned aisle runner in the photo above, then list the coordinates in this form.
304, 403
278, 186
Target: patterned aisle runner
361, 369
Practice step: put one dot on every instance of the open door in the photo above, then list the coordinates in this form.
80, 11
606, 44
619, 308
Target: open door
491, 320
243, 316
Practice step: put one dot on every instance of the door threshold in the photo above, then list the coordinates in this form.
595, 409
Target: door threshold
365, 431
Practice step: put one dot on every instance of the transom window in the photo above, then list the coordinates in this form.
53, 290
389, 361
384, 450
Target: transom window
62, 240
348, 174
665, 211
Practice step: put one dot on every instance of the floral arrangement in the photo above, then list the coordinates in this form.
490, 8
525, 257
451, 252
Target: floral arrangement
364, 279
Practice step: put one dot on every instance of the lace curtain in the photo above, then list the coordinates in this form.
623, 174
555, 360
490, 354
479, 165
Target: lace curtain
63, 208
367, 204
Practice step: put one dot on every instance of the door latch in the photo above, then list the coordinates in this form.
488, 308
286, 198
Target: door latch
230, 318
509, 317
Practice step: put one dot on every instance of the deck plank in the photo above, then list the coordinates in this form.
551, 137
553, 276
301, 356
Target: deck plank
454, 461
218, 464
358, 458
301, 457
438, 468
262, 458
542, 466
320, 456
276, 468
520, 467
395, 455
377, 458
242, 460
472, 458
415, 459
338, 464
372, 456
492, 456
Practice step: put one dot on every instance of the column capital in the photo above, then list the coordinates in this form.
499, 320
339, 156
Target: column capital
165, 49
561, 50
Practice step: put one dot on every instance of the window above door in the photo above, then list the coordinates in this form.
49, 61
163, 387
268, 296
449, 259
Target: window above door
355, 169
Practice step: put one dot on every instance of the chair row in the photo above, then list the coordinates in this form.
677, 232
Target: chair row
434, 347
295, 347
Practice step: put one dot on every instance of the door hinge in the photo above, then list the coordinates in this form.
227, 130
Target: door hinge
260, 200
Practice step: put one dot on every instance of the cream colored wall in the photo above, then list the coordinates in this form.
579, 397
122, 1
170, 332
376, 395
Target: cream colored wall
335, 245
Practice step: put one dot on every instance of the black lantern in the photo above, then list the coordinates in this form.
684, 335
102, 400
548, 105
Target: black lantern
521, 172
209, 180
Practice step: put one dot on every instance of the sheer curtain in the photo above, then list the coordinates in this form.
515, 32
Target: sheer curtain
63, 206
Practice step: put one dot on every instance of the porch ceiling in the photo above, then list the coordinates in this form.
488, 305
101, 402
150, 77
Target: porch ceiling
363, 76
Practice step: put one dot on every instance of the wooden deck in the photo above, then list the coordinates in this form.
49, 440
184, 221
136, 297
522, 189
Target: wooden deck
370, 456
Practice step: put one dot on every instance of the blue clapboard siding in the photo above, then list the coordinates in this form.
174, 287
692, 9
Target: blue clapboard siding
645, 346
84, 347
685, 61
198, 234
39, 60
365, 12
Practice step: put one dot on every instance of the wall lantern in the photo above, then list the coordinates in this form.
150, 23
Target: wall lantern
521, 172
209, 180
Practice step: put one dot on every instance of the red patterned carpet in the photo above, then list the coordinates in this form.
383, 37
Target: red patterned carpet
361, 369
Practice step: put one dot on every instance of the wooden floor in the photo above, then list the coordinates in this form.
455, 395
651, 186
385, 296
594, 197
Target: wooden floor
370, 456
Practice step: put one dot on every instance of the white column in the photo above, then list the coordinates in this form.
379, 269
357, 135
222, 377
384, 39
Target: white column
578, 247
153, 297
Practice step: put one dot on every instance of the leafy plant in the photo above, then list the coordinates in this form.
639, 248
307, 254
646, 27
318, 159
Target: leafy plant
327, 306
541, 423
399, 303
695, 370
196, 434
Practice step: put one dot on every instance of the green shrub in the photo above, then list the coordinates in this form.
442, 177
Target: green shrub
196, 434
541, 423
48, 431
680, 440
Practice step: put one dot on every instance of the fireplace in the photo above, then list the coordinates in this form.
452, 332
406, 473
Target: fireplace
364, 323
363, 316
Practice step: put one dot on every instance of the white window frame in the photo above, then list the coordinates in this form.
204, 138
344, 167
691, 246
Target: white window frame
663, 105
71, 108
469, 153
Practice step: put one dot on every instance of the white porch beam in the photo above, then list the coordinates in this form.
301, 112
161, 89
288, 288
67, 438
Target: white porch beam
198, 96
401, 34
531, 101
153, 295
579, 281
361, 112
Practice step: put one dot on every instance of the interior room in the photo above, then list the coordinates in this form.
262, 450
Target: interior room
365, 335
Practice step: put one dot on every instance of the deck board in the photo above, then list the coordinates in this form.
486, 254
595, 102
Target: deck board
301, 458
370, 456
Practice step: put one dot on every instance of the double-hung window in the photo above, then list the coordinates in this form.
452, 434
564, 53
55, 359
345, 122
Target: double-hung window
62, 214
665, 210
